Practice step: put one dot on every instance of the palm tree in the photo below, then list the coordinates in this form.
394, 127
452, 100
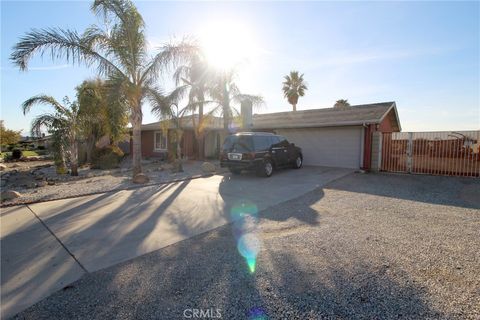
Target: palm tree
191, 78
225, 94
166, 108
118, 49
342, 103
294, 87
64, 123
100, 115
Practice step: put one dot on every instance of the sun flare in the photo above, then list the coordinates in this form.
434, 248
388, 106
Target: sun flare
226, 44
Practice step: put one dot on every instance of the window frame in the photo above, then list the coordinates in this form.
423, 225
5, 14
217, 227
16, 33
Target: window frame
165, 137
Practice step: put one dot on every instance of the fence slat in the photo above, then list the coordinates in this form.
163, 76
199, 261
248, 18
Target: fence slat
437, 153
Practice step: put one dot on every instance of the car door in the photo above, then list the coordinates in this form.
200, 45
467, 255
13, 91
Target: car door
279, 150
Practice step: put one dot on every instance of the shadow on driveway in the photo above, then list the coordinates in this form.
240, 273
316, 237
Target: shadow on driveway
442, 190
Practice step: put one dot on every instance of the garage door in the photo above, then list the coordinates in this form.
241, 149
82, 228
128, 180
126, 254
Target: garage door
332, 147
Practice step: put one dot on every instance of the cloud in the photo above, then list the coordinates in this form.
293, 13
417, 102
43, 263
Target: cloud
48, 68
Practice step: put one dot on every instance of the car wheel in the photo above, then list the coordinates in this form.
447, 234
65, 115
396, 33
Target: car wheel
266, 169
298, 162
235, 171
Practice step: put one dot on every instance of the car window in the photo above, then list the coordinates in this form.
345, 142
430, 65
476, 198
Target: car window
238, 144
283, 142
262, 143
275, 140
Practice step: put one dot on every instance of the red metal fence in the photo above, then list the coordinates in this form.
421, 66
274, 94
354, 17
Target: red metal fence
453, 153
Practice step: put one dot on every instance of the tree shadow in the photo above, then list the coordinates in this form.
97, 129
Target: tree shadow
207, 272
442, 190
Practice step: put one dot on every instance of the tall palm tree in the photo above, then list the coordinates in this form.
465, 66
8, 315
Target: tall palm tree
226, 95
191, 78
64, 122
118, 49
342, 103
294, 87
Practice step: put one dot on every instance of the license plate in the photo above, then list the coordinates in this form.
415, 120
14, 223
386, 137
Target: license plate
234, 156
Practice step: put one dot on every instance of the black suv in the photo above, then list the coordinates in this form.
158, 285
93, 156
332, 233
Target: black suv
259, 151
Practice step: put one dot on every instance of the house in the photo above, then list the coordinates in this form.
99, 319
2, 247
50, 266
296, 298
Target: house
158, 138
335, 137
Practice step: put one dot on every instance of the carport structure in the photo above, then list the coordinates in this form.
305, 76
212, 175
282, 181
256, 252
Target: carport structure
335, 137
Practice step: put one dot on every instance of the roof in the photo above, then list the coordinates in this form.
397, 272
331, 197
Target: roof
186, 123
328, 117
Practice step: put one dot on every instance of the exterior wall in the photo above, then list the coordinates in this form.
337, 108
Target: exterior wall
376, 160
148, 148
332, 146
188, 139
386, 124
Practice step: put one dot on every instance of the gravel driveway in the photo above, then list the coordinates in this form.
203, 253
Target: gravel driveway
364, 246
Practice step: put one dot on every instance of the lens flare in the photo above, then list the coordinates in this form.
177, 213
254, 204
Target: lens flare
245, 220
257, 314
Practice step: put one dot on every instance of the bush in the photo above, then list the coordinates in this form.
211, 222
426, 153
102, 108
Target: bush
107, 158
16, 154
12, 146
41, 147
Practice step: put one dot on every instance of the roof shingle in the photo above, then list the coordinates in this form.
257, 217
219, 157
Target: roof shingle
354, 115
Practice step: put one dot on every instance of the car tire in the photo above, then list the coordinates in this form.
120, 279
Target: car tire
235, 171
266, 169
297, 164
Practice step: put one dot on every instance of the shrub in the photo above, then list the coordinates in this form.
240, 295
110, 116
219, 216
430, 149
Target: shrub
107, 158
16, 154
12, 146
41, 147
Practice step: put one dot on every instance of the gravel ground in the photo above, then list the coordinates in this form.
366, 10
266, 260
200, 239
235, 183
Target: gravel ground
363, 247
95, 181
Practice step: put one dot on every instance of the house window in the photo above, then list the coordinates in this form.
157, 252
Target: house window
160, 141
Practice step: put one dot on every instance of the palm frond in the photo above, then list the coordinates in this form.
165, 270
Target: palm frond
45, 100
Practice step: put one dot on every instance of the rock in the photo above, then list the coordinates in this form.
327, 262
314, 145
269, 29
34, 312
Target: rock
51, 182
30, 185
208, 167
3, 182
167, 166
10, 194
40, 177
2, 167
41, 183
15, 165
140, 178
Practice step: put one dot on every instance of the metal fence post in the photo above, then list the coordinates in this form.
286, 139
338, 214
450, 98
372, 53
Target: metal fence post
409, 152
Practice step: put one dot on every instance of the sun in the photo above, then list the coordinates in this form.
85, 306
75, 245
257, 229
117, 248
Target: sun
226, 44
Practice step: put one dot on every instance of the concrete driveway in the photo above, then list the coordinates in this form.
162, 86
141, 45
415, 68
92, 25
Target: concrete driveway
46, 246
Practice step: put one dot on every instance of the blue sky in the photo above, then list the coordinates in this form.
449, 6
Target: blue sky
423, 55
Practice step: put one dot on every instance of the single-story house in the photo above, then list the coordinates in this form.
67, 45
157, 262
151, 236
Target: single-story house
158, 138
335, 137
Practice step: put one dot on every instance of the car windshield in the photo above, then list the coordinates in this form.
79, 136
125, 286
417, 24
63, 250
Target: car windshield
238, 144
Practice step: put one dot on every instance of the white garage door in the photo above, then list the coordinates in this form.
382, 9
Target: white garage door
332, 147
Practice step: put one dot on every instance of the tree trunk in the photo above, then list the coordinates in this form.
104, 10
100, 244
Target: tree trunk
294, 107
90, 146
200, 134
179, 152
136, 120
74, 158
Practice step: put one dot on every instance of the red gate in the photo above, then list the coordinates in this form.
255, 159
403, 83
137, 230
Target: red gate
454, 153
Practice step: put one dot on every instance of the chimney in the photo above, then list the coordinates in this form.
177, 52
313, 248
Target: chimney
246, 113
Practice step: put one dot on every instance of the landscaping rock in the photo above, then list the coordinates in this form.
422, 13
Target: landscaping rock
10, 194
41, 183
30, 185
167, 166
3, 182
208, 167
15, 165
2, 167
141, 178
51, 182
